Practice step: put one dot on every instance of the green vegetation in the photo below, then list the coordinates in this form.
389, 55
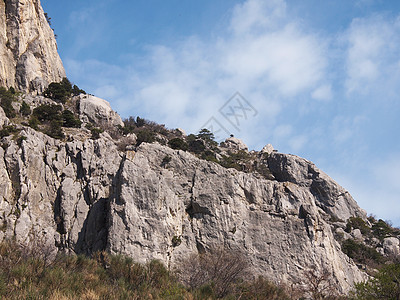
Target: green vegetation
52, 118
384, 285
31, 273
25, 109
361, 253
8, 130
381, 229
178, 144
6, 99
69, 119
145, 135
357, 223
54, 129
62, 91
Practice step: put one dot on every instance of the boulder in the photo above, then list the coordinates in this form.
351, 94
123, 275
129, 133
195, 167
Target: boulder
391, 246
96, 110
268, 149
233, 143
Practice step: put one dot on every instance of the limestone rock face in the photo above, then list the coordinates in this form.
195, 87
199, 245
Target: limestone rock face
84, 196
330, 196
279, 226
3, 118
28, 50
97, 110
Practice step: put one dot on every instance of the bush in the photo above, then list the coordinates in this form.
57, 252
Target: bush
8, 130
48, 112
76, 91
178, 144
25, 109
357, 223
59, 91
6, 99
381, 229
34, 122
218, 269
385, 285
69, 119
55, 129
197, 146
145, 136
361, 253
95, 132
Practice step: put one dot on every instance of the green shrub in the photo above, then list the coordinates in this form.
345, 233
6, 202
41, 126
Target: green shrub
69, 119
95, 132
384, 285
76, 91
178, 144
361, 253
197, 146
48, 112
34, 122
55, 129
25, 109
357, 223
8, 130
381, 229
145, 136
6, 100
59, 91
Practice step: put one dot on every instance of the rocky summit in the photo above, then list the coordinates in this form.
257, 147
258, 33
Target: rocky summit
76, 177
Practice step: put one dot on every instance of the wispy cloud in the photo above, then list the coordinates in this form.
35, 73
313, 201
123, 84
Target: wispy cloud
264, 53
328, 97
373, 55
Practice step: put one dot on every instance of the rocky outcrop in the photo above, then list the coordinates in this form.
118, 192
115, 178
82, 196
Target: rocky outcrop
331, 197
96, 110
233, 143
3, 118
84, 196
28, 50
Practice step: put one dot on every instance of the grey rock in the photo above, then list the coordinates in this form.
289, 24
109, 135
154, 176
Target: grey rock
391, 246
3, 119
330, 197
98, 111
28, 50
357, 235
278, 225
234, 144
268, 149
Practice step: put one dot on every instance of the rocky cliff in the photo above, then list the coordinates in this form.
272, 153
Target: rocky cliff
73, 177
28, 50
82, 195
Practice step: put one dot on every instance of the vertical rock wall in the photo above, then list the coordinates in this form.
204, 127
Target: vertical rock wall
29, 60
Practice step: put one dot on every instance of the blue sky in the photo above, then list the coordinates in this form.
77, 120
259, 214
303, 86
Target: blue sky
323, 76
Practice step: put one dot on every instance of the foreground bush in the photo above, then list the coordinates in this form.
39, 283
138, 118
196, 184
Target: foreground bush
35, 272
385, 285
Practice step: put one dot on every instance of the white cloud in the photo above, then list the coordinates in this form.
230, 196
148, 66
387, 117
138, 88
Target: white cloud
255, 15
373, 50
265, 55
324, 92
